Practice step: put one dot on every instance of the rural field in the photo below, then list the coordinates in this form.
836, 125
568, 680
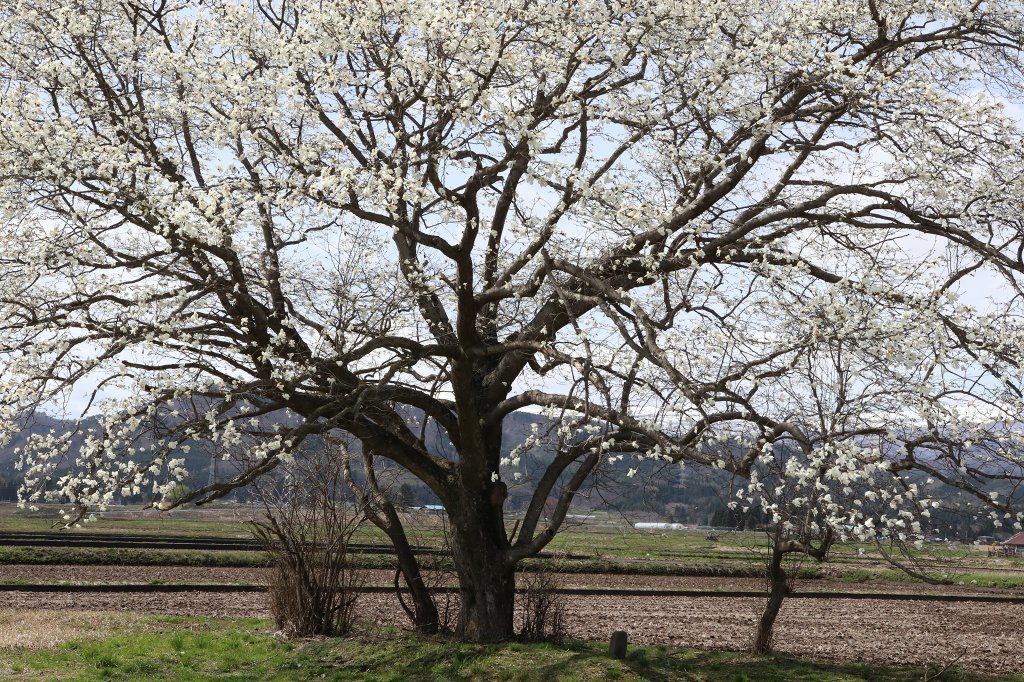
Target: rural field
83, 612
512, 340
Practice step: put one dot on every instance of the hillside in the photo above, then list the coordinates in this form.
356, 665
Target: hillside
661, 491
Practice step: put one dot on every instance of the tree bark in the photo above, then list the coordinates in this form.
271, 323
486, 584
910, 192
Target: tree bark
487, 584
778, 590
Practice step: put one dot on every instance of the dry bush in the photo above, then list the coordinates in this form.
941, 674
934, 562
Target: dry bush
542, 608
306, 530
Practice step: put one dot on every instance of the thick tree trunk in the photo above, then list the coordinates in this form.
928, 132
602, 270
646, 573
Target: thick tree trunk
487, 584
778, 588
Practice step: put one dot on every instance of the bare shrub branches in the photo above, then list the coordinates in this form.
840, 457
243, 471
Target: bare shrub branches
307, 530
542, 608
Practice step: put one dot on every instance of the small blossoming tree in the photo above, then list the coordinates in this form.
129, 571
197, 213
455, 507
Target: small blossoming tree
402, 220
856, 459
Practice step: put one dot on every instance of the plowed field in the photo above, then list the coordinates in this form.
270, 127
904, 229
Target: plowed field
985, 637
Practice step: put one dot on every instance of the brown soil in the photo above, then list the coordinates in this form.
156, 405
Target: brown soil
986, 636
129, 574
227, 605
892, 632
190, 574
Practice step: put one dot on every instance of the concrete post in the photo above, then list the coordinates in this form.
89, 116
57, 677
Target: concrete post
618, 644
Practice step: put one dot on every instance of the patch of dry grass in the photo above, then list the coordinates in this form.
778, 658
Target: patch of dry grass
44, 628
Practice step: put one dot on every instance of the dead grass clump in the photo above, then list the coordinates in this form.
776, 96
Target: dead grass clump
45, 629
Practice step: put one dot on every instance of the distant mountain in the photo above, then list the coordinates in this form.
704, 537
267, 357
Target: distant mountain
39, 424
201, 459
658, 490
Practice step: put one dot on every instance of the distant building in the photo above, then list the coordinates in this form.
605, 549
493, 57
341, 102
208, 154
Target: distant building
1015, 545
659, 526
431, 508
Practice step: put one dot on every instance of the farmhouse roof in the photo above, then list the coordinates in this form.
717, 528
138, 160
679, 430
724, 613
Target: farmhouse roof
1017, 540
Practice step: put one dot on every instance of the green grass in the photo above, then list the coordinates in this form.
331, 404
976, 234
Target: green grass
180, 649
170, 523
966, 579
114, 556
175, 649
109, 556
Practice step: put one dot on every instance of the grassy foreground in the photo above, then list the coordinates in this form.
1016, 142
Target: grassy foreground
144, 647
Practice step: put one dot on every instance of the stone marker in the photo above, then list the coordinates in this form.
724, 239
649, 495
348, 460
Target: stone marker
618, 646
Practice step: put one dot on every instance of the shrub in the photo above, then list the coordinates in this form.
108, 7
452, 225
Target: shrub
543, 608
306, 531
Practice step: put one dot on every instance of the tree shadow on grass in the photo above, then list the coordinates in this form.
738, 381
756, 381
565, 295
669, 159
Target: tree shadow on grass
662, 664
413, 658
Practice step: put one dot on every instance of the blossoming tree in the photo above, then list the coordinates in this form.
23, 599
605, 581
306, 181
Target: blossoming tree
393, 219
856, 460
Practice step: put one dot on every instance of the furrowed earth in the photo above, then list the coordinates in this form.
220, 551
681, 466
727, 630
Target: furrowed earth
982, 637
79, 574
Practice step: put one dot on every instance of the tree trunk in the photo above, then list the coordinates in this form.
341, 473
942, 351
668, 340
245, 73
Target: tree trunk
487, 583
778, 588
381, 512
424, 611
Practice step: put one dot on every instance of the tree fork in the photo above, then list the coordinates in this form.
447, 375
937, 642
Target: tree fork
424, 610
